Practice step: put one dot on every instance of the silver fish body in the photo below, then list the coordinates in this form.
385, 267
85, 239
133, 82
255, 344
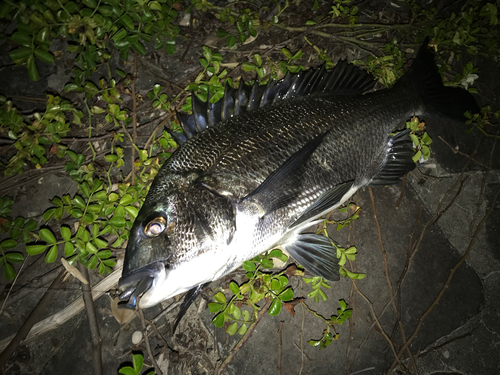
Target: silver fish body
257, 180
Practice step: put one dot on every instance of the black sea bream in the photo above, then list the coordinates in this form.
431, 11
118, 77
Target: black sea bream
263, 164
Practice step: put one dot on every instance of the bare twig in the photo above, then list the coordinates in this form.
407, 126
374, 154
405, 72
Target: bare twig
244, 339
447, 283
280, 347
146, 340
94, 326
134, 117
33, 318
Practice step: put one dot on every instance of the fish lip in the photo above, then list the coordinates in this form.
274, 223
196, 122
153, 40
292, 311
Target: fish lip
137, 283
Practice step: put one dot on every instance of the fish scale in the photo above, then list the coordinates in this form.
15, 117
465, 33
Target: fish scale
264, 164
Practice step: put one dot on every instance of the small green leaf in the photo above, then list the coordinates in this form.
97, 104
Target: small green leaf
137, 361
8, 244
44, 56
91, 248
249, 266
243, 329
275, 307
9, 273
69, 249
35, 249
233, 327
214, 307
14, 257
51, 255
218, 321
234, 287
65, 233
47, 236
220, 297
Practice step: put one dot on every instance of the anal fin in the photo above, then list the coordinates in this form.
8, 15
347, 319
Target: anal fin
398, 160
316, 253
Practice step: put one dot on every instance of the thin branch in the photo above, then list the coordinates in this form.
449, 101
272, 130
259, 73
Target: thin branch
134, 117
244, 339
447, 283
33, 318
280, 346
94, 326
146, 340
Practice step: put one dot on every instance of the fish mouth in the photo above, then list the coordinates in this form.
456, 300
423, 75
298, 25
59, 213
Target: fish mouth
135, 284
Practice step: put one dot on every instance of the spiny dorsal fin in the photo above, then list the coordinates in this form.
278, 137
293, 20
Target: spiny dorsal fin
343, 79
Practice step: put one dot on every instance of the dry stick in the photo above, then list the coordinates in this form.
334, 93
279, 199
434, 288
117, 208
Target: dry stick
402, 191
448, 280
33, 318
94, 326
280, 347
382, 332
12, 285
301, 340
455, 151
244, 339
146, 340
134, 117
386, 271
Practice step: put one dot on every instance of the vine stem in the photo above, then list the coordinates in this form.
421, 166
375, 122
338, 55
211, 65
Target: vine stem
244, 339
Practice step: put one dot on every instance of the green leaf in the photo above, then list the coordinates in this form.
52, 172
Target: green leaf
218, 321
234, 287
44, 56
220, 297
310, 23
248, 67
14, 257
214, 307
126, 199
416, 157
35, 249
137, 361
65, 233
243, 329
233, 327
286, 295
69, 249
221, 33
127, 371
51, 255
47, 236
275, 307
9, 273
8, 244
101, 244
32, 69
249, 266
20, 54
127, 21
91, 248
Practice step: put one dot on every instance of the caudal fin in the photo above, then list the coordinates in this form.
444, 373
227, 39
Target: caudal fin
450, 102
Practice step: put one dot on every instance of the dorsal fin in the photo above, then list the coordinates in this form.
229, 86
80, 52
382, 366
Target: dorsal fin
343, 79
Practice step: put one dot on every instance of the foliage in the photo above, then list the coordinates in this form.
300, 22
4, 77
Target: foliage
137, 363
92, 29
33, 136
260, 285
420, 138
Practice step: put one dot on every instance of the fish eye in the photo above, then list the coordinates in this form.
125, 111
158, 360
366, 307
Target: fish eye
155, 227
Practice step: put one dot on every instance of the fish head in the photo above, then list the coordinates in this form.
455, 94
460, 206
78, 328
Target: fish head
172, 245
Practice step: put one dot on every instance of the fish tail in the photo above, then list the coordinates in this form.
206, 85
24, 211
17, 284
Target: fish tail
438, 100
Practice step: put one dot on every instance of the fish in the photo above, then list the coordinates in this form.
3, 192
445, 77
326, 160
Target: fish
258, 168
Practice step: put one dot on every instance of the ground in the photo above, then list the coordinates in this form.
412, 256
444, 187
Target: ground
429, 248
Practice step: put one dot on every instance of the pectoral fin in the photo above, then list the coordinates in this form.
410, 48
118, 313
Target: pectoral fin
316, 253
278, 190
